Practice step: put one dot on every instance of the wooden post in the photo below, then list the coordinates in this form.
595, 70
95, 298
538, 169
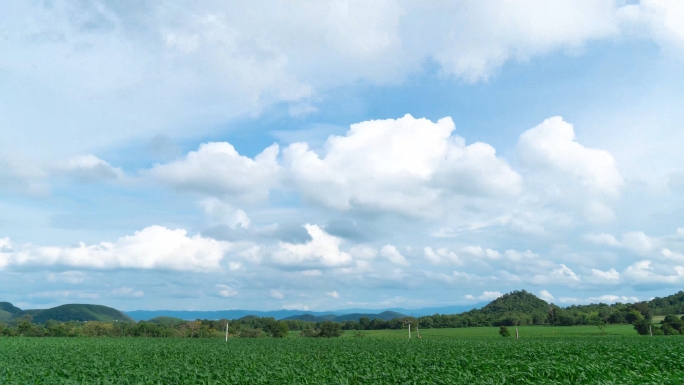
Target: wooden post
226, 330
409, 331
650, 331
516, 332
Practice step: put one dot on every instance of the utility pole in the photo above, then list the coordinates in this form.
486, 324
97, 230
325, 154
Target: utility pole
226, 330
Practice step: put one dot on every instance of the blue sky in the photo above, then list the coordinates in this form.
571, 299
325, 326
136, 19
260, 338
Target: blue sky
340, 155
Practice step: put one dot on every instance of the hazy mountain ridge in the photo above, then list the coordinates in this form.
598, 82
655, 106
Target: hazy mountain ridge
385, 315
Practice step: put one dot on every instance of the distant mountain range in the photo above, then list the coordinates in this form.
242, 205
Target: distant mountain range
144, 315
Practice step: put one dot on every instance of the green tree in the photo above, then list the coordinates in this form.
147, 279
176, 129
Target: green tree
279, 330
330, 329
642, 326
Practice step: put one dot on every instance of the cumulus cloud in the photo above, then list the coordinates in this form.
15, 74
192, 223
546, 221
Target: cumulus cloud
602, 239
486, 296
323, 250
332, 294
128, 292
154, 247
89, 168
647, 273
226, 291
559, 275
546, 296
277, 294
220, 213
217, 169
296, 306
608, 298
441, 256
393, 255
363, 252
552, 146
401, 165
609, 276
72, 277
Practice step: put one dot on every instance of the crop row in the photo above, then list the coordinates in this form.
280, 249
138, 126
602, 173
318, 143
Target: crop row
596, 360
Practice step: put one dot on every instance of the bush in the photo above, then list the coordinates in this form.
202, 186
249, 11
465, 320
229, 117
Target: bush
251, 333
359, 334
503, 331
279, 329
642, 326
330, 329
309, 332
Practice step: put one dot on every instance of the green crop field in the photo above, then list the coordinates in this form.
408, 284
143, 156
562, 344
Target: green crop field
484, 332
562, 360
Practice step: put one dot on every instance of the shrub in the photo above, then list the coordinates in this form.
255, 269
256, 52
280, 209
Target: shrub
503, 331
329, 329
251, 333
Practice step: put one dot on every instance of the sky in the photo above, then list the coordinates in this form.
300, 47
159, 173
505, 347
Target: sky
264, 155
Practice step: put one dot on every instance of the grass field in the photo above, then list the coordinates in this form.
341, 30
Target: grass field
493, 332
452, 359
657, 318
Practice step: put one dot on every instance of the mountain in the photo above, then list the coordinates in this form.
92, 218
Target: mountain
189, 315
63, 313
386, 315
312, 318
143, 315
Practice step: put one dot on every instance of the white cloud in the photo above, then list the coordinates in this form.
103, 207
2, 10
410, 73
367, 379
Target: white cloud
673, 256
363, 252
277, 294
546, 296
90, 168
218, 169
154, 247
401, 165
602, 239
502, 30
323, 250
333, 294
128, 292
440, 256
222, 213
393, 255
235, 266
312, 273
639, 242
72, 277
296, 306
605, 276
608, 298
645, 272
552, 146
226, 291
559, 275
486, 296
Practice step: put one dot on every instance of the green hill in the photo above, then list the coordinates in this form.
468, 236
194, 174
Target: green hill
514, 308
78, 312
672, 304
9, 308
167, 321
5, 316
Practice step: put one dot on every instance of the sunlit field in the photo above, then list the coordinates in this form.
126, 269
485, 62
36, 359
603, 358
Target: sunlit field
442, 356
493, 332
